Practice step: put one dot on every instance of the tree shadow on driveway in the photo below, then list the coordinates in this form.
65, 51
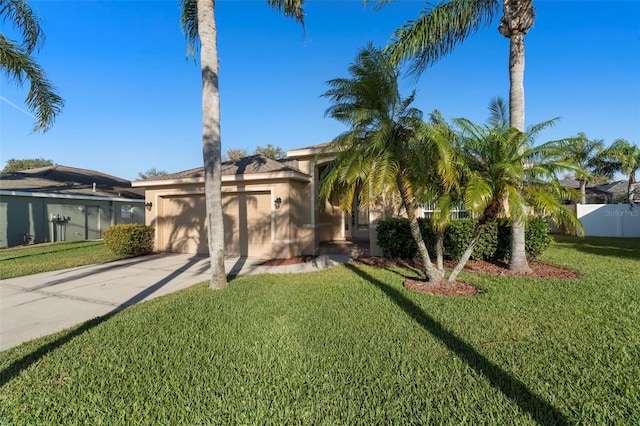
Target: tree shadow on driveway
21, 364
541, 410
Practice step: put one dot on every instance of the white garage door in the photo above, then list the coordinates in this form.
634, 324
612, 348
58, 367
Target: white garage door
247, 224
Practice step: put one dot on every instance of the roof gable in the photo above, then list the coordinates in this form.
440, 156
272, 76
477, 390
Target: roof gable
251, 165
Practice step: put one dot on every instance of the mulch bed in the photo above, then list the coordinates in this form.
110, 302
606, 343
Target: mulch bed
458, 288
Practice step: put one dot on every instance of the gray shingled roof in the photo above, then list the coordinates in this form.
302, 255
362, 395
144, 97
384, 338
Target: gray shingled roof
65, 180
244, 166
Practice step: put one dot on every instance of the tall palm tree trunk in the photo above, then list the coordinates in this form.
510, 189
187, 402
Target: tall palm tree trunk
211, 151
518, 258
583, 191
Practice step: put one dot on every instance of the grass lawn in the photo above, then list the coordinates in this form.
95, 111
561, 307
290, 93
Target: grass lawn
33, 259
350, 345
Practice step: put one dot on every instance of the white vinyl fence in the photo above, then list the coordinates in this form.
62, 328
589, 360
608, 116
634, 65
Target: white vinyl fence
609, 220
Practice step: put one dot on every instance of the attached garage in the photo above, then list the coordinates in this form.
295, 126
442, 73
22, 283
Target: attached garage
267, 207
182, 226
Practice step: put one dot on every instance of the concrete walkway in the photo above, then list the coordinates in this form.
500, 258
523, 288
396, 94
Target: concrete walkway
41, 304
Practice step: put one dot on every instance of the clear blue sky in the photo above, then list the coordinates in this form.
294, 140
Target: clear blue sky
133, 100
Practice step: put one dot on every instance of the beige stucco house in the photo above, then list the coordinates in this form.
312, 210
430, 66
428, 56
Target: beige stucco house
270, 209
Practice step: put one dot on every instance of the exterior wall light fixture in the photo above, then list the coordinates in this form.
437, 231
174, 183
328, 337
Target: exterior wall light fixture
148, 206
277, 203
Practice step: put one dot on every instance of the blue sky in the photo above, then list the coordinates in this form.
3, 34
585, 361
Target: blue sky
133, 100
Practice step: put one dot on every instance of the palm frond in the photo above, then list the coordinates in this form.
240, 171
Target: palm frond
42, 97
22, 17
438, 30
189, 25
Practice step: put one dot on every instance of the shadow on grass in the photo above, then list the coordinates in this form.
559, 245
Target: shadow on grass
624, 248
34, 250
21, 364
540, 410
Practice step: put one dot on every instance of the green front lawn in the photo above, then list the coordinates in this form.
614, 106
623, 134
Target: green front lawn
33, 259
350, 345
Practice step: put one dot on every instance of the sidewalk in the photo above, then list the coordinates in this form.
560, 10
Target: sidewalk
41, 304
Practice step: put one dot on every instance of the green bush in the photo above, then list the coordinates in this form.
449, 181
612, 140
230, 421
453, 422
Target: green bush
395, 240
129, 240
537, 238
458, 236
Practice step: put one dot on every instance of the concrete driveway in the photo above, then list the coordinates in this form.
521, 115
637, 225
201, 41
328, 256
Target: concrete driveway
42, 304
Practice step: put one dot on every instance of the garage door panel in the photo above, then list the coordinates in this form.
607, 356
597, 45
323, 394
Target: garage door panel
247, 224
182, 226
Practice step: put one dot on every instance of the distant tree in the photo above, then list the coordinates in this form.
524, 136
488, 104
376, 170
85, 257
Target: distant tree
622, 157
586, 154
270, 151
15, 165
18, 64
235, 154
152, 173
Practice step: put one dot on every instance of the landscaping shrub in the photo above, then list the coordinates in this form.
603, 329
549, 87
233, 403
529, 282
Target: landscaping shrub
537, 238
458, 236
395, 240
129, 240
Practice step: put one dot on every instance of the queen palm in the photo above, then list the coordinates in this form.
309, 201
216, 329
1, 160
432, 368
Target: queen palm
199, 26
438, 30
586, 153
622, 157
374, 157
504, 175
18, 64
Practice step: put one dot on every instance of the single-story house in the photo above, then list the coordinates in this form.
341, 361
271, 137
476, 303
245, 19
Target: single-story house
270, 208
60, 203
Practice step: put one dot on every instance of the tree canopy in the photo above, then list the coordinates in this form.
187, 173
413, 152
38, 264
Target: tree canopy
16, 165
152, 173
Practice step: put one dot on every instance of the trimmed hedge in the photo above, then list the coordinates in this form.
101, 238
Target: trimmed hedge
395, 240
129, 240
458, 236
537, 239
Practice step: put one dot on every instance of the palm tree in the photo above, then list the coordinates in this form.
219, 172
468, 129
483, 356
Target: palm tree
374, 158
622, 157
438, 30
18, 64
199, 26
586, 153
504, 175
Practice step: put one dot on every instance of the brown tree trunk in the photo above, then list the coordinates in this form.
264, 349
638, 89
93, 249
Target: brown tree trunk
211, 150
518, 259
432, 273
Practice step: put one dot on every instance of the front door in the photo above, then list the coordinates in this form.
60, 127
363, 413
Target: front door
357, 222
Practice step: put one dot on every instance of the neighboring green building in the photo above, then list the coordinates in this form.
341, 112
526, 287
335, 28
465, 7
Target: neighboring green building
60, 203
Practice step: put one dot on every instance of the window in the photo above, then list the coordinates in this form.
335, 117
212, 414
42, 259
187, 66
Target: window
126, 211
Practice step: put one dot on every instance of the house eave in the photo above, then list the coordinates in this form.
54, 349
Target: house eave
291, 175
